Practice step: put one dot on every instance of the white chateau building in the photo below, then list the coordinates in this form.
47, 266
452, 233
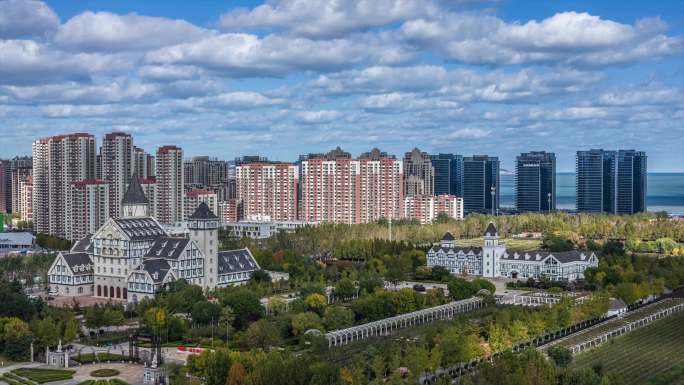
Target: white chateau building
133, 257
492, 260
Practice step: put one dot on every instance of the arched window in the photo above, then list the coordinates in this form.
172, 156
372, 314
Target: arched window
99, 291
118, 292
111, 291
125, 293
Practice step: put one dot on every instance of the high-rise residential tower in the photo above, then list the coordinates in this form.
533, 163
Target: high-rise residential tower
88, 208
41, 186
143, 163
170, 184
419, 174
59, 161
535, 181
481, 184
611, 181
268, 190
381, 187
116, 157
329, 187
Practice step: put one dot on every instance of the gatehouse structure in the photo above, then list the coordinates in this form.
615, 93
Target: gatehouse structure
386, 326
492, 260
133, 257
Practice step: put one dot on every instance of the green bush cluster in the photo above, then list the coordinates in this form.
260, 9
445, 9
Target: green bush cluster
111, 381
42, 376
13, 379
106, 372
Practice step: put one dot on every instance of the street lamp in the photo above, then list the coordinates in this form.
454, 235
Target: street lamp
548, 200
493, 192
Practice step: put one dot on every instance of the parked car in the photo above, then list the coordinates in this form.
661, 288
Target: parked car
418, 287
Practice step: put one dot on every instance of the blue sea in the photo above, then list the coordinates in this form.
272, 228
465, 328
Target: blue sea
664, 192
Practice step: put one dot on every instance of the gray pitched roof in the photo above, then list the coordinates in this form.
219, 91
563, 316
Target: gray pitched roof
448, 237
491, 230
83, 245
140, 229
465, 250
561, 256
167, 247
203, 212
156, 265
74, 260
134, 194
236, 261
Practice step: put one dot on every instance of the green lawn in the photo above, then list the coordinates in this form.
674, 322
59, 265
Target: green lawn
44, 375
643, 354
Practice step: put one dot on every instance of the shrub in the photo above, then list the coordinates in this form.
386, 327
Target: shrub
106, 372
44, 375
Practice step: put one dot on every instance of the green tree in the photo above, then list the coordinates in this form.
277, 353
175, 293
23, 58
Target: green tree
304, 321
70, 331
404, 301
261, 334
561, 355
337, 317
459, 289
499, 340
205, 312
15, 338
315, 302
156, 320
46, 331
345, 288
113, 317
246, 306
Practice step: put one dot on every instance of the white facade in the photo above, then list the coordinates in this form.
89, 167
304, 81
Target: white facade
492, 260
71, 275
133, 257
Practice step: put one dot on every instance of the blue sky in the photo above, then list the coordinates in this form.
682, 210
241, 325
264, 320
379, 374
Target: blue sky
292, 76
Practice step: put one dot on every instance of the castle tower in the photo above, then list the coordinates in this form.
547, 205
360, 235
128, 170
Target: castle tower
492, 251
135, 203
203, 225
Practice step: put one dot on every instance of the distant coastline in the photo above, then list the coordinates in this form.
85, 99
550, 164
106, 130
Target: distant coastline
665, 191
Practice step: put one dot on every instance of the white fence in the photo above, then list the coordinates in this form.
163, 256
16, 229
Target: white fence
387, 325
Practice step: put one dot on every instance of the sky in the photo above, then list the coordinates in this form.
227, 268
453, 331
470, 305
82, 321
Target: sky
289, 77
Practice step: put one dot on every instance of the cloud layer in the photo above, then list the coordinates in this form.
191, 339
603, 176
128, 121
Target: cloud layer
304, 75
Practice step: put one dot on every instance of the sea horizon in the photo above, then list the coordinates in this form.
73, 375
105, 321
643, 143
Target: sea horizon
664, 191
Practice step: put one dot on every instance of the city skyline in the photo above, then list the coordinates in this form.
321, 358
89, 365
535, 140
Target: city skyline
475, 78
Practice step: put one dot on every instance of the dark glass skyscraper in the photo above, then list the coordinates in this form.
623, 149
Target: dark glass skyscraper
480, 179
535, 181
631, 181
448, 174
611, 181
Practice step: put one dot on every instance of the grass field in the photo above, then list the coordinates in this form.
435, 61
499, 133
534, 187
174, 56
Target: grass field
512, 244
615, 323
643, 354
